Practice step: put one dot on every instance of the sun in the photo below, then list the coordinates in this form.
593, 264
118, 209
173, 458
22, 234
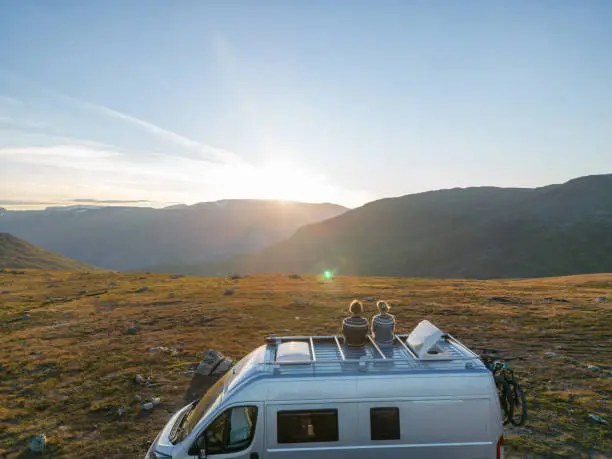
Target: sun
287, 182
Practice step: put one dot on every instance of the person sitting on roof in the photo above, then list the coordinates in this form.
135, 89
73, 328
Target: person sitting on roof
383, 324
355, 327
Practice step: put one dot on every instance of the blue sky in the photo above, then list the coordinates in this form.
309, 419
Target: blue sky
309, 100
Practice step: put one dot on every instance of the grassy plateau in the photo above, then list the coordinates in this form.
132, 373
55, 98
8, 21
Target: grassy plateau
72, 343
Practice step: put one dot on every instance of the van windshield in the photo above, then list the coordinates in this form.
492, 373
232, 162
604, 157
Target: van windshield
205, 403
211, 396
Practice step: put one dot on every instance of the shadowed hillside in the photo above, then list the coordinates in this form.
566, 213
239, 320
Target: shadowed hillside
468, 233
134, 238
69, 359
17, 253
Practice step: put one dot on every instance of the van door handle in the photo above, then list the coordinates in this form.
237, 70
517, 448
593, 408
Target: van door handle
254, 456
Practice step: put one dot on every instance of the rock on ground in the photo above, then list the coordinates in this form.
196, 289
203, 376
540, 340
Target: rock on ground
598, 419
213, 363
38, 443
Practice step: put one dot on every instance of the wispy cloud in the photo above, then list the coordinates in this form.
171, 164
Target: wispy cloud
8, 100
207, 151
188, 146
109, 201
60, 151
18, 202
59, 147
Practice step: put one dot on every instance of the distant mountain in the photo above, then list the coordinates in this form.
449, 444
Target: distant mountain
133, 238
19, 254
468, 233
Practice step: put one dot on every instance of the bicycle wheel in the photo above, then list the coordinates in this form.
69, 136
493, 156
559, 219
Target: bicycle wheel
505, 398
518, 412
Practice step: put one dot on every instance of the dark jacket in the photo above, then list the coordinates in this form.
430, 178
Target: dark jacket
382, 328
355, 330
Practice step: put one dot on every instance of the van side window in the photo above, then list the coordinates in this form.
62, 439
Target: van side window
384, 423
232, 430
307, 426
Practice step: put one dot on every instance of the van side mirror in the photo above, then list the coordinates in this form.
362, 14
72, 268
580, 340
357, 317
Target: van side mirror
198, 449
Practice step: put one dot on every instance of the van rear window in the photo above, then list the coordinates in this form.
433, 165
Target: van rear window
307, 426
384, 423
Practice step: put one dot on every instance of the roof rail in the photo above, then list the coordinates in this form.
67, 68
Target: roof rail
425, 343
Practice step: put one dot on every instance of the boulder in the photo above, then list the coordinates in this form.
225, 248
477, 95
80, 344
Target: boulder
213, 363
38, 443
130, 331
147, 406
212, 356
223, 366
597, 418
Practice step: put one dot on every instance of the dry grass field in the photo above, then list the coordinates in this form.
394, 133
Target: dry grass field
71, 344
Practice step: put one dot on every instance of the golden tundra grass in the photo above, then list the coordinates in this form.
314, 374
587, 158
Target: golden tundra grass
66, 368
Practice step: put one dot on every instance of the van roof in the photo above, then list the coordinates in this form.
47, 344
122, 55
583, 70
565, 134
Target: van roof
425, 350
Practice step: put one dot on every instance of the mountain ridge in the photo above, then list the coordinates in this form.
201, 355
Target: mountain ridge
133, 238
19, 254
476, 232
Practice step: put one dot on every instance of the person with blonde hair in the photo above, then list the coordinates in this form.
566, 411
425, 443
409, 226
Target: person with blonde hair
383, 324
355, 327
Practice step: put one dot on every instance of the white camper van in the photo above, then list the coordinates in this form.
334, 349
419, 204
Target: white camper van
312, 397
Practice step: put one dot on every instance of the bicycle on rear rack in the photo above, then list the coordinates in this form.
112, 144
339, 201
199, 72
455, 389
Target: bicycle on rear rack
511, 395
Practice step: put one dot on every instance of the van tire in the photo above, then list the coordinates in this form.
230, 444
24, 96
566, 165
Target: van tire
518, 415
505, 398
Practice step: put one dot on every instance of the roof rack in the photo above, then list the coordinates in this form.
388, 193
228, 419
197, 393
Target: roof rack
425, 343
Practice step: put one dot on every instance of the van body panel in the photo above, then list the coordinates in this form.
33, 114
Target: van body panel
401, 451
430, 428
313, 389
